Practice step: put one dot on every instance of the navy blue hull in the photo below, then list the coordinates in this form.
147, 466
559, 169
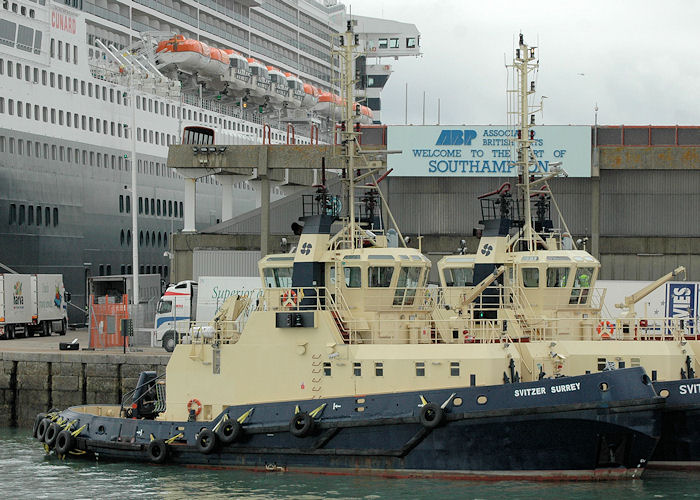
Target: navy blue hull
679, 446
593, 426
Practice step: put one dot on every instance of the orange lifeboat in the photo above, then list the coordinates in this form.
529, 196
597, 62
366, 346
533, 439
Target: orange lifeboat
191, 56
329, 105
311, 95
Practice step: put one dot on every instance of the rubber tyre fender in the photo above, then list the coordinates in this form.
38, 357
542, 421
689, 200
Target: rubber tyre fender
51, 434
431, 416
206, 441
157, 451
229, 431
37, 421
301, 424
42, 428
65, 442
169, 340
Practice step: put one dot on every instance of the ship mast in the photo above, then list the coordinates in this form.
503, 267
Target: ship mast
348, 42
525, 63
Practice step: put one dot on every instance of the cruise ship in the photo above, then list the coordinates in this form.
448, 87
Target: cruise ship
78, 76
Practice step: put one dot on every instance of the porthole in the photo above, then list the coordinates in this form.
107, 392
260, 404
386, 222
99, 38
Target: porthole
604, 386
482, 400
457, 401
664, 393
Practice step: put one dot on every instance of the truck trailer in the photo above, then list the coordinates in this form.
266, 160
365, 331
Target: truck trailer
32, 304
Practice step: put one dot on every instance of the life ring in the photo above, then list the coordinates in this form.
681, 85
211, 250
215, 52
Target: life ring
194, 401
289, 298
605, 330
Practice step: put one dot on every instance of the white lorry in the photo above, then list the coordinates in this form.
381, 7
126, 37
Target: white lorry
32, 303
189, 301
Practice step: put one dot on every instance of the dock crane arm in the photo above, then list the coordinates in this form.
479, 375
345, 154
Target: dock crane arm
631, 300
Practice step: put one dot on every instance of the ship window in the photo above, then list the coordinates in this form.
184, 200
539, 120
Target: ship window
83, 122
47, 216
602, 364
393, 43
60, 49
454, 368
278, 277
175, 209
380, 277
170, 208
128, 240
9, 65
459, 276
153, 206
2, 104
13, 213
379, 369
420, 369
11, 106
60, 82
410, 43
327, 369
357, 369
46, 151
383, 43
128, 204
121, 238
21, 214
38, 215
30, 215
531, 277
121, 203
165, 239
353, 277
181, 214
55, 216
557, 277
102, 270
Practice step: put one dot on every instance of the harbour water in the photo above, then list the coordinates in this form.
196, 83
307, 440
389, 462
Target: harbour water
28, 473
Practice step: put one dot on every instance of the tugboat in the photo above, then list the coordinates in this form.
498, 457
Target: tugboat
344, 372
531, 275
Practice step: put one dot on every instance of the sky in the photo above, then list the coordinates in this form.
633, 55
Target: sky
639, 61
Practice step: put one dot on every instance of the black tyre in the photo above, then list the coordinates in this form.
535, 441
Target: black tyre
431, 415
206, 441
42, 428
65, 442
157, 451
169, 340
37, 421
10, 332
51, 434
229, 431
301, 424
64, 327
45, 329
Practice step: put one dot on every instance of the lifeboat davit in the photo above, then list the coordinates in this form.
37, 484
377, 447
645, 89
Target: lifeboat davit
279, 90
259, 91
329, 105
296, 91
311, 95
238, 79
192, 56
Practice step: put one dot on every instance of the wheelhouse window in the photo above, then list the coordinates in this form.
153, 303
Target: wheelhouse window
353, 277
531, 277
406, 286
380, 277
557, 277
278, 277
459, 276
582, 284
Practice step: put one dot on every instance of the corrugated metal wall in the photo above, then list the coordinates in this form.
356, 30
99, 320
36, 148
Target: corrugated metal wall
649, 203
450, 205
224, 263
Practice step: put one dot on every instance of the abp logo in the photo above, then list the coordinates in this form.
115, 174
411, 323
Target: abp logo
456, 138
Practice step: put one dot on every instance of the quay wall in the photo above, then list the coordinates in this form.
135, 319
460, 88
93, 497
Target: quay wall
32, 382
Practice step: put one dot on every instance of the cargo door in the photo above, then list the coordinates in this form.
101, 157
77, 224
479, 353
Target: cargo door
18, 297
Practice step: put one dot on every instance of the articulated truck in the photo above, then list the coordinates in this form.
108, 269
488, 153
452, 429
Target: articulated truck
32, 304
